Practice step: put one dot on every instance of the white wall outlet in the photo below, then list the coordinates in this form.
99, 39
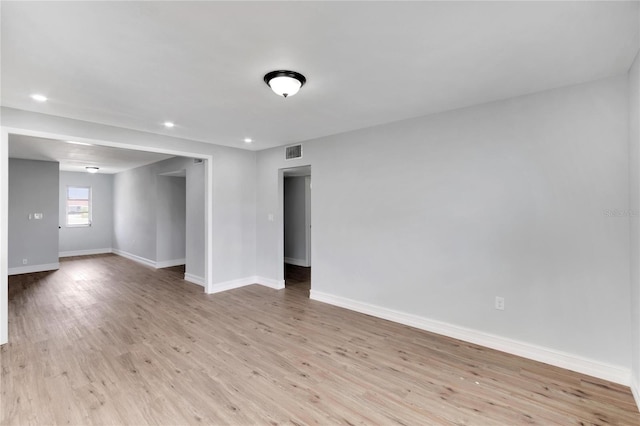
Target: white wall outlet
500, 303
38, 216
24, 261
30, 216
271, 217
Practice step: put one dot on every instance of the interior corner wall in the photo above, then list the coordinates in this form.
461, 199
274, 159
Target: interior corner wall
295, 232
234, 225
134, 213
634, 216
33, 188
171, 220
94, 238
137, 196
436, 216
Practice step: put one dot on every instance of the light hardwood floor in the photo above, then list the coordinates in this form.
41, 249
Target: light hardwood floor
106, 341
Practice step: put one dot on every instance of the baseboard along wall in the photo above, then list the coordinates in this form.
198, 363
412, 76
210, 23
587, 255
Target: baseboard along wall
84, 252
296, 262
194, 279
230, 285
526, 350
29, 269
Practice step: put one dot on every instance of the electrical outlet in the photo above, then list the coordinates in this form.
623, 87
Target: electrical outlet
24, 261
500, 303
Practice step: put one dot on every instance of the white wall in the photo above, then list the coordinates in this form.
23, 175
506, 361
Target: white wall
433, 217
295, 232
634, 217
171, 220
33, 188
97, 237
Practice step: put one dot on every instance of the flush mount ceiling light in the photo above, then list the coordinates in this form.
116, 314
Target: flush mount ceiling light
285, 83
92, 169
168, 124
248, 140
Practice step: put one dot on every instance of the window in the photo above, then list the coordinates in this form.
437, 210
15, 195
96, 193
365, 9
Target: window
78, 206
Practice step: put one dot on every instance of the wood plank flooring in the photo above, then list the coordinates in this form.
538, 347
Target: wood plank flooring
106, 341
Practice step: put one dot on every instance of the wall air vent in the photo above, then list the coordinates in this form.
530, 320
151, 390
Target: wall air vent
293, 152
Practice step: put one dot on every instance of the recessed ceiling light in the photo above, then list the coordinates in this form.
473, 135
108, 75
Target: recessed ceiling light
92, 169
38, 97
168, 124
248, 140
78, 143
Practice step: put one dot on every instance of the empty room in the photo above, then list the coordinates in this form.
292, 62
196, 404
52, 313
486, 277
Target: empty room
248, 213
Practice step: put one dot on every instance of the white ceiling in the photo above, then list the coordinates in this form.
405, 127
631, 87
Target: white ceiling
200, 64
75, 158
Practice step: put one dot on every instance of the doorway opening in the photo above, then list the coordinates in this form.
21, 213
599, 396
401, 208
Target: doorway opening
206, 261
297, 228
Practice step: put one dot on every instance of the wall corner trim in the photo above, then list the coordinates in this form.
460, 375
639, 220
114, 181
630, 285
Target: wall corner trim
84, 252
296, 262
242, 282
170, 263
526, 350
230, 285
271, 283
33, 268
635, 390
194, 279
135, 258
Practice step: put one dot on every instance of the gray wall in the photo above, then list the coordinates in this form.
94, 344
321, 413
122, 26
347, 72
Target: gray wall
33, 188
634, 210
295, 233
171, 218
96, 237
136, 204
134, 214
436, 216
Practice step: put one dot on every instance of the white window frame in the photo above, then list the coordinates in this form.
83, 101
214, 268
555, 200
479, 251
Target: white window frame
66, 207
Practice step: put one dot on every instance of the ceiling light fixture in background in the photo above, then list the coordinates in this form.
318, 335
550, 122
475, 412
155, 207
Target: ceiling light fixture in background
92, 169
248, 140
285, 83
169, 124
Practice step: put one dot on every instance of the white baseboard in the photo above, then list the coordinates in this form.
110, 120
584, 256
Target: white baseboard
194, 279
169, 263
84, 252
538, 353
135, 258
241, 282
33, 268
297, 262
230, 285
635, 390
268, 282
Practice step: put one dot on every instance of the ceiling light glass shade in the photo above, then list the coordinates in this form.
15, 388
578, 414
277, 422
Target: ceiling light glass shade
92, 169
285, 83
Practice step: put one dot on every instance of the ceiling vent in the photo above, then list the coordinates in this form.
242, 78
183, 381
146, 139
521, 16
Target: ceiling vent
293, 152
